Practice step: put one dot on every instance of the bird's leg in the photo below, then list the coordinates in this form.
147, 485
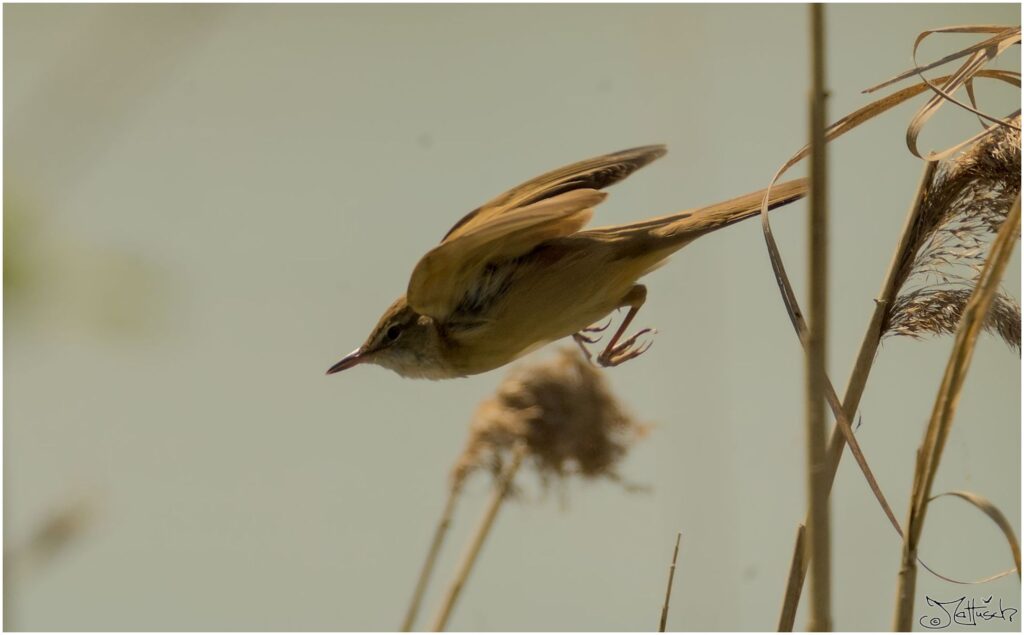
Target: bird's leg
615, 353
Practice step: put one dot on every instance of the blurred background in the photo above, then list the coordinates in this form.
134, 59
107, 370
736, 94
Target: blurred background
206, 206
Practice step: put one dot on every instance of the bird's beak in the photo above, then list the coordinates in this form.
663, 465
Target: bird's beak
357, 356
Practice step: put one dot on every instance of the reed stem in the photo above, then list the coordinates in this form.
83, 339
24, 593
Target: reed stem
818, 531
668, 589
928, 456
502, 485
855, 387
428, 565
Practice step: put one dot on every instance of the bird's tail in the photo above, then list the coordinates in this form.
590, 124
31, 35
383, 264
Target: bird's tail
695, 223
668, 233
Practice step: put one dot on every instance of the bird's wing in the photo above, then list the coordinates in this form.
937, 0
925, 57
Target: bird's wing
455, 276
593, 174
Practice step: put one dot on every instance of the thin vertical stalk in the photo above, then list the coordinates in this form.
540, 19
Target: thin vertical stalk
818, 534
928, 456
855, 387
10, 561
668, 589
502, 485
428, 565
795, 581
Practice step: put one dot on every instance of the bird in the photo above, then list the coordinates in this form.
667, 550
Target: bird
522, 270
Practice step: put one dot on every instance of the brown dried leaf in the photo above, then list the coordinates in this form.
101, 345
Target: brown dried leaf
998, 29
978, 55
997, 516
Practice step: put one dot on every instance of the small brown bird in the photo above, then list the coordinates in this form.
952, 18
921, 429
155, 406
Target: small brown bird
520, 271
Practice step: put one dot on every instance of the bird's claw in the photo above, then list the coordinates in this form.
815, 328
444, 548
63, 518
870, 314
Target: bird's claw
582, 341
625, 351
580, 337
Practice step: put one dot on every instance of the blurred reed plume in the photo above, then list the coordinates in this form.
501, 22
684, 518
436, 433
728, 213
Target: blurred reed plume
965, 203
55, 532
559, 416
563, 412
50, 537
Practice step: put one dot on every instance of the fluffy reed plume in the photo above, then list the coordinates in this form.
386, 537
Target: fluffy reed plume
565, 415
964, 205
938, 311
558, 416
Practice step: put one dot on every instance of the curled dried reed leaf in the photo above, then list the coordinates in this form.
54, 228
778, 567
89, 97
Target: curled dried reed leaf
999, 30
997, 516
978, 55
880, 106
565, 414
834, 131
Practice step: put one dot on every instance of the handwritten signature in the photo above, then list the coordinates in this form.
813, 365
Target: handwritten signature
964, 612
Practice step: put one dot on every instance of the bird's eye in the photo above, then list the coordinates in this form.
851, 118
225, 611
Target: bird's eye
393, 332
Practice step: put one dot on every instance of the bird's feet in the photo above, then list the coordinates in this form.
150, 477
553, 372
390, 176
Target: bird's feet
627, 350
582, 340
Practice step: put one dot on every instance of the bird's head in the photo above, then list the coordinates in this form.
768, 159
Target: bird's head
403, 341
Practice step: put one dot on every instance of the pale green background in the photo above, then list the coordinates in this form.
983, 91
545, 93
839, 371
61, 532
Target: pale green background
210, 204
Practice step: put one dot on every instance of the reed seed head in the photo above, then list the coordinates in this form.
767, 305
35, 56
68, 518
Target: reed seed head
564, 413
963, 208
938, 311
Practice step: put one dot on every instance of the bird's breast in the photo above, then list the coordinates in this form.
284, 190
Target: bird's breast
517, 309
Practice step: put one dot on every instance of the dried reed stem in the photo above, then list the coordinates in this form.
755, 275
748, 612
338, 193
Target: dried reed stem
428, 565
930, 452
502, 485
9, 623
855, 389
795, 581
668, 589
818, 534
